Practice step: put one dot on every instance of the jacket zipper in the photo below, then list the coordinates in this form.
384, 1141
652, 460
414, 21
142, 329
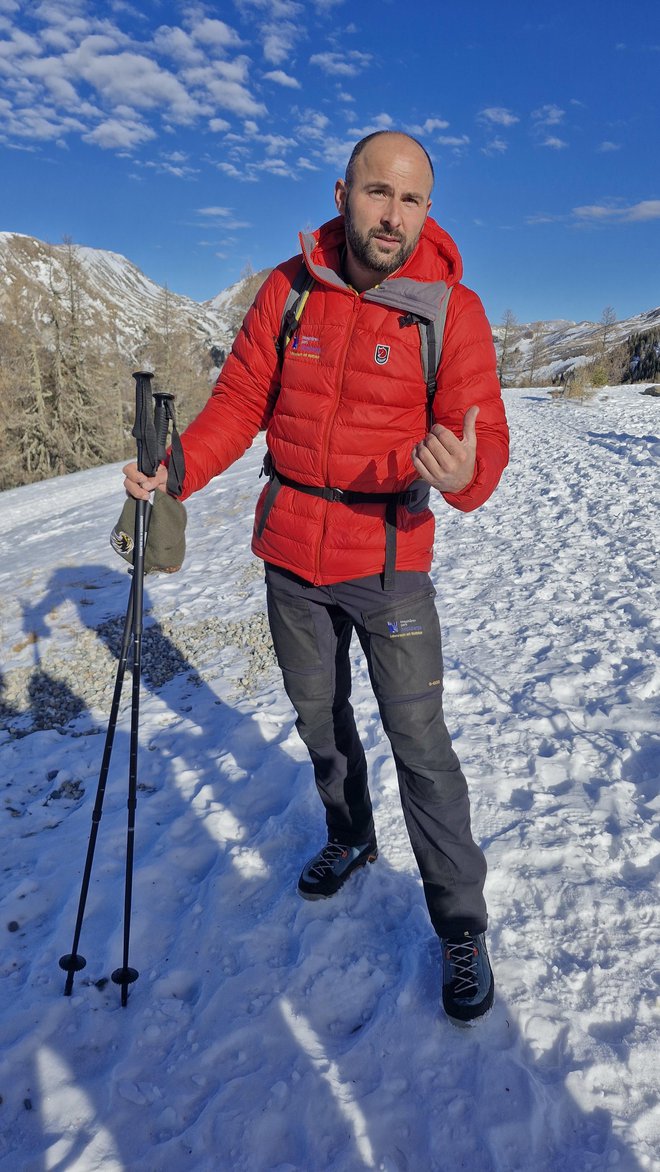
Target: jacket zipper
328, 428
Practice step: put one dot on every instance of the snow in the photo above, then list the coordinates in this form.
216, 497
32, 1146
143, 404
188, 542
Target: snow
266, 1034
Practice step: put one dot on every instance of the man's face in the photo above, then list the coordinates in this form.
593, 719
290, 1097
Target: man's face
386, 204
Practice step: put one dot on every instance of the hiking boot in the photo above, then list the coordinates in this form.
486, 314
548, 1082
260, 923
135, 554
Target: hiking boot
467, 979
323, 875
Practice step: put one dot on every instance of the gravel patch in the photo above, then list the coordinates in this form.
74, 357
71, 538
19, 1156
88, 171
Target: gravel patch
63, 686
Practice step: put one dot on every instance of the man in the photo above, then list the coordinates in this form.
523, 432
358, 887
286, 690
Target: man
346, 542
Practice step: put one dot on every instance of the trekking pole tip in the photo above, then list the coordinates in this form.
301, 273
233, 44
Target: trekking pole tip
71, 962
124, 977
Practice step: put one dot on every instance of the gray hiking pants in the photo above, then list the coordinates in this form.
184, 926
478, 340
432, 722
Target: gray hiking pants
399, 632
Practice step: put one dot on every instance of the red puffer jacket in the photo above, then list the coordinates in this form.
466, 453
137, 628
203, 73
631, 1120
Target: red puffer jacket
351, 406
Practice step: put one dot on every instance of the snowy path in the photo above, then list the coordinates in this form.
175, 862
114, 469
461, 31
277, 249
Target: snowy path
270, 1035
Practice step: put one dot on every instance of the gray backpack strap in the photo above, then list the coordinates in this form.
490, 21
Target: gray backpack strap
293, 308
291, 315
431, 336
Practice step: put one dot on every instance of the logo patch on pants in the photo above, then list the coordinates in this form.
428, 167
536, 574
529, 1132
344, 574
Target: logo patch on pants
404, 628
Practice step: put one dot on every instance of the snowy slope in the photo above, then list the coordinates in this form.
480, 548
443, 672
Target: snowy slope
266, 1034
561, 345
117, 302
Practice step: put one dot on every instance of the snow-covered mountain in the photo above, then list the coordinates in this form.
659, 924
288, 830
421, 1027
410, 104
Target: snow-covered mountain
119, 304
561, 345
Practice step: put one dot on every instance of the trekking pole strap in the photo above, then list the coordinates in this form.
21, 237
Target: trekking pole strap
176, 465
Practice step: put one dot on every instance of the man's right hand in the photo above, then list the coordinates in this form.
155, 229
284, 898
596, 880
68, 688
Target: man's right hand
139, 485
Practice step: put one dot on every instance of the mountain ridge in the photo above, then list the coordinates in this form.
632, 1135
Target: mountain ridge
121, 305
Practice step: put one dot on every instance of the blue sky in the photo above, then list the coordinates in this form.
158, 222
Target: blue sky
198, 139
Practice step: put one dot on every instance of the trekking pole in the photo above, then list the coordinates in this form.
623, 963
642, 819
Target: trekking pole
74, 962
147, 461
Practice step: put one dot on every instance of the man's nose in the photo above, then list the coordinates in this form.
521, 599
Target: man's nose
391, 216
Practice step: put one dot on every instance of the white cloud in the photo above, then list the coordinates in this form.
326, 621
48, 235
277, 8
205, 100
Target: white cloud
312, 124
130, 78
431, 125
20, 43
276, 143
236, 70
276, 10
281, 28
178, 170
543, 218
224, 218
497, 146
179, 45
282, 78
647, 209
498, 116
555, 144
606, 147
114, 134
63, 14
215, 33
222, 82
274, 167
341, 64
236, 98
380, 122
335, 151
453, 140
86, 56
549, 115
279, 41
234, 173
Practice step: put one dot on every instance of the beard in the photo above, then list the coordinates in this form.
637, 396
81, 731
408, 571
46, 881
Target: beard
366, 250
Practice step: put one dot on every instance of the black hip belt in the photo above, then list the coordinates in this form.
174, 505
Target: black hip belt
415, 499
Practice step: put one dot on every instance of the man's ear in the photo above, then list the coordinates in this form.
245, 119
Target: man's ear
340, 196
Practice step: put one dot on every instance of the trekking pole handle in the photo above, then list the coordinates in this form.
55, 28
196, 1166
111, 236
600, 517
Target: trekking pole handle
143, 428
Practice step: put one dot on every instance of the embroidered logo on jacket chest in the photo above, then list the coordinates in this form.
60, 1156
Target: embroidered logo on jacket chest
307, 344
381, 354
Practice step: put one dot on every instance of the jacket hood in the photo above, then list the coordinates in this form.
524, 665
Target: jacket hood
435, 257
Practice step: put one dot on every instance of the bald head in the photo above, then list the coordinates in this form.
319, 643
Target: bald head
393, 137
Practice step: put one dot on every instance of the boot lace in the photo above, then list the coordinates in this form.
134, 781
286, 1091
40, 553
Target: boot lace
462, 956
326, 860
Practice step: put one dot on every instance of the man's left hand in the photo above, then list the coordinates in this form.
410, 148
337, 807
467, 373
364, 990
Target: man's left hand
443, 460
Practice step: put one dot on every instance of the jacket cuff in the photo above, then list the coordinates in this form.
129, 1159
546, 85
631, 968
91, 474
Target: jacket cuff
461, 500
